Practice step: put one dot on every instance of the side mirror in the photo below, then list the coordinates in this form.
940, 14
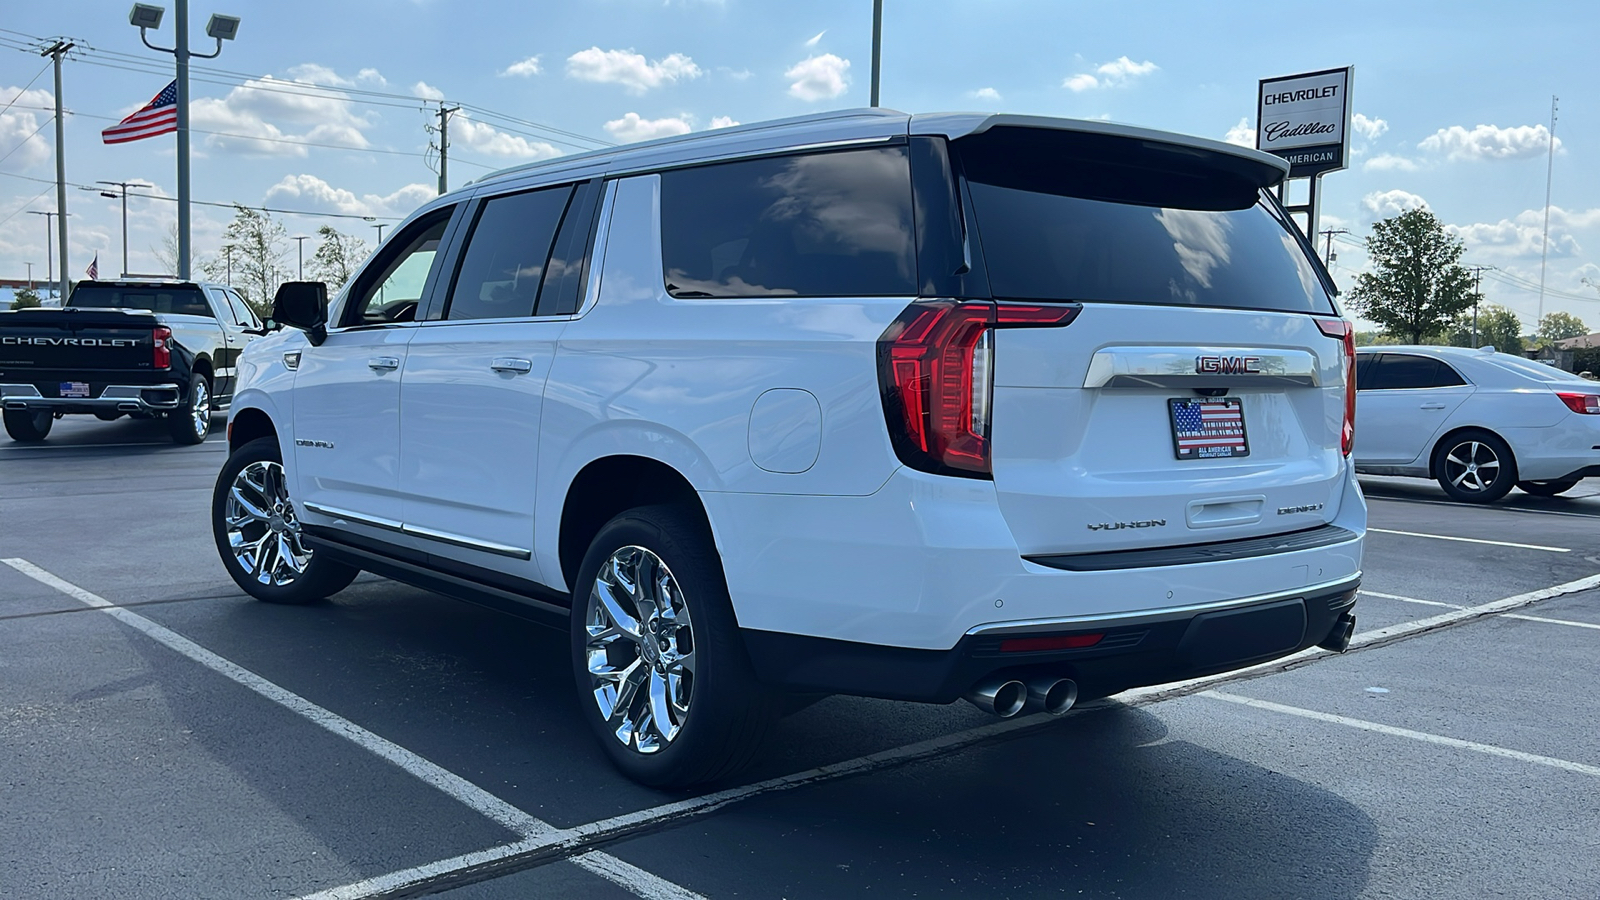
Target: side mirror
302, 305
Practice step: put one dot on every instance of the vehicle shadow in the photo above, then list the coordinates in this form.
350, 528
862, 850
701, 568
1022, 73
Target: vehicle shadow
1584, 498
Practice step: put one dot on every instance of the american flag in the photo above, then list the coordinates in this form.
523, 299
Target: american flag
94, 268
159, 116
1209, 429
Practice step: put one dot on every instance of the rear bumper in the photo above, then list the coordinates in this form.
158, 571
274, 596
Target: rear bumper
1134, 650
149, 398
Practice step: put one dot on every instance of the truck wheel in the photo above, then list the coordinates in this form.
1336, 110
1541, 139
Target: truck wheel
26, 426
661, 671
190, 423
1475, 467
258, 533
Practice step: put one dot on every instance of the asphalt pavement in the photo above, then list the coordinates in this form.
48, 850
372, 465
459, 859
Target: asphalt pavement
163, 735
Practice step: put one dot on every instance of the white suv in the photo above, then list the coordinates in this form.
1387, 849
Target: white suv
1015, 409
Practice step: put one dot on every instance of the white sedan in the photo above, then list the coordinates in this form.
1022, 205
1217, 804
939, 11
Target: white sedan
1477, 421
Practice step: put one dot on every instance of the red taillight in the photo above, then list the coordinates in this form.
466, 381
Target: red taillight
935, 366
1345, 330
1583, 404
1057, 642
161, 337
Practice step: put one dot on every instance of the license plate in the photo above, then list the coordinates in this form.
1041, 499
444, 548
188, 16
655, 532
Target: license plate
74, 389
1208, 428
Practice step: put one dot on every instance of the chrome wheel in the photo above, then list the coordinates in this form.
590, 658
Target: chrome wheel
639, 649
262, 530
200, 407
1472, 466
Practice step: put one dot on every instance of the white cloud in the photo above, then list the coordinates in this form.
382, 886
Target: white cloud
632, 128
1389, 162
988, 94
315, 73
1521, 236
18, 127
630, 69
819, 77
723, 122
1383, 204
1242, 134
263, 118
1368, 128
1490, 142
311, 191
523, 68
426, 91
812, 42
1116, 73
490, 141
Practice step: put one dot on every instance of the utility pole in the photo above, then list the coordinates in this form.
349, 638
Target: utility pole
1549, 173
1477, 283
1328, 256
49, 248
124, 186
877, 47
227, 255
55, 52
380, 226
444, 149
30, 276
300, 252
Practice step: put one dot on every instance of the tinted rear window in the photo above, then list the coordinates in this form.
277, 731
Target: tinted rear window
185, 302
834, 224
1535, 369
1068, 217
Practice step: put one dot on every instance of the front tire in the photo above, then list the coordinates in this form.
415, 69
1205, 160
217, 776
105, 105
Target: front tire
192, 423
258, 534
1475, 467
1547, 488
28, 427
661, 670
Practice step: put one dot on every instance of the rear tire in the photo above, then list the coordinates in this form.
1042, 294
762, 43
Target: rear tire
28, 427
258, 534
191, 423
1547, 488
654, 635
1474, 467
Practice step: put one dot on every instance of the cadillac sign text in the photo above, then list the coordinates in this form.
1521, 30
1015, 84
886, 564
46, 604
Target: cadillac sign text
1305, 119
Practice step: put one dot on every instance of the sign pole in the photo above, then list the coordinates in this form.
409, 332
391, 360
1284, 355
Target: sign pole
1305, 120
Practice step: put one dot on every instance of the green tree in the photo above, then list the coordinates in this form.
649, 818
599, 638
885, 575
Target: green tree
1498, 327
1375, 339
337, 257
1558, 326
258, 247
25, 298
1417, 286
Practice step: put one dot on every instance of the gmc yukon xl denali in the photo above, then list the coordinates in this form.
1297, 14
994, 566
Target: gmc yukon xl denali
137, 348
1021, 410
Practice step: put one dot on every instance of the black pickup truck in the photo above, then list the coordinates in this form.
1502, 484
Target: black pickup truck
142, 348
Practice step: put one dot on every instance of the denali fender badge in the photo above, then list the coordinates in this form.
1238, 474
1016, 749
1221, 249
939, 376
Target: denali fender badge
302, 442
1291, 510
1118, 526
1227, 365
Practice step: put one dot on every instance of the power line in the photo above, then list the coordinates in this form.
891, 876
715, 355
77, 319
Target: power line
287, 212
25, 140
24, 89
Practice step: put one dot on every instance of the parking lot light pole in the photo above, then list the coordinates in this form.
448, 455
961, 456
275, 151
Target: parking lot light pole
124, 194
49, 246
877, 47
300, 251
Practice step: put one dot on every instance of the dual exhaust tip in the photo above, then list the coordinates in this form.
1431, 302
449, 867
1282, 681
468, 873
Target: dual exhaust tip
1005, 696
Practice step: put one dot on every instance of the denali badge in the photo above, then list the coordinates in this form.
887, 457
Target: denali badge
302, 442
1227, 365
1118, 526
1291, 510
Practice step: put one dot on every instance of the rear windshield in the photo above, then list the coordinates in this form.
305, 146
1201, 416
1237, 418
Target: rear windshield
1064, 216
1535, 369
176, 301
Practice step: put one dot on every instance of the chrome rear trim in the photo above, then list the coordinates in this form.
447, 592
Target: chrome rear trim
1191, 367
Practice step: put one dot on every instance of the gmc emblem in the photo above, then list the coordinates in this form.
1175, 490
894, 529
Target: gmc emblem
1227, 365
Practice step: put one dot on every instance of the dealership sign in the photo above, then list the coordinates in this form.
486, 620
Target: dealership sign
1305, 119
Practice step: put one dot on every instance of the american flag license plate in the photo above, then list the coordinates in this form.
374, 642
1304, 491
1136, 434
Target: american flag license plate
1208, 428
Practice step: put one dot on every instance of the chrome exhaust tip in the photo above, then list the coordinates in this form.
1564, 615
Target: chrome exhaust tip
996, 695
1051, 694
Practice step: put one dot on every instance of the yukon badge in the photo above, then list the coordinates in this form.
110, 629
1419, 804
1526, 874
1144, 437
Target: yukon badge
1227, 365
1118, 526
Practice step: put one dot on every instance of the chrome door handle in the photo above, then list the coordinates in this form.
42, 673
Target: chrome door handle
383, 363
507, 364
1433, 406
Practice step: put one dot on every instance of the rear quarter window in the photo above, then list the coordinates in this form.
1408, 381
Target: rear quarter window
834, 224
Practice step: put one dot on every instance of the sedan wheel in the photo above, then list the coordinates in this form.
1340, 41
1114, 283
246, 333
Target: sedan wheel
1475, 468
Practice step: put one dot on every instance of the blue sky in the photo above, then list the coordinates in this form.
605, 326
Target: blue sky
1454, 100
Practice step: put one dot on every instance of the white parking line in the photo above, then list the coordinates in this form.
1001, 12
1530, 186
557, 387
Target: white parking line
1503, 615
458, 788
1425, 737
1552, 621
1380, 596
1467, 540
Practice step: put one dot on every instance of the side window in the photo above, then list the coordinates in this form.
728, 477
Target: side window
390, 288
506, 254
1364, 363
1447, 376
835, 224
1398, 371
242, 313
220, 301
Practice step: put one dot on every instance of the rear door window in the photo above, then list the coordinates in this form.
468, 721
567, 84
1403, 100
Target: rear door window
1403, 371
506, 255
834, 224
1070, 216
